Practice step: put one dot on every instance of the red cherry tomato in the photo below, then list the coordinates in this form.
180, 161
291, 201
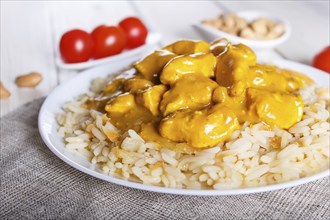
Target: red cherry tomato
98, 28
76, 46
322, 60
135, 30
108, 40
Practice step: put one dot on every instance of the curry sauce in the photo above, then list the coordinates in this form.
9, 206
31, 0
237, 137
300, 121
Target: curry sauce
192, 94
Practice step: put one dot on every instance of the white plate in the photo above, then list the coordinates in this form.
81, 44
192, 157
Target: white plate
211, 33
152, 40
80, 84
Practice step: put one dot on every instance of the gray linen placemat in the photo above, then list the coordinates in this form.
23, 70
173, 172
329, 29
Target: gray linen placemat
35, 184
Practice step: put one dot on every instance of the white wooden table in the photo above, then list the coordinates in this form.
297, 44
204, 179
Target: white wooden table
30, 32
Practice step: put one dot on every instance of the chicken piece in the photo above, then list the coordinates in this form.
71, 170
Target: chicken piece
186, 47
151, 97
275, 79
202, 64
125, 113
236, 103
233, 67
219, 46
113, 86
275, 108
149, 132
190, 91
121, 104
153, 64
134, 85
220, 95
116, 84
200, 129
237, 70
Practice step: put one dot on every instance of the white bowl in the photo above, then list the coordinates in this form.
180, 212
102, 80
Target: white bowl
152, 40
211, 33
68, 90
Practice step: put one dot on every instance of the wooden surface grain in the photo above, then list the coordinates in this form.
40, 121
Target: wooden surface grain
30, 32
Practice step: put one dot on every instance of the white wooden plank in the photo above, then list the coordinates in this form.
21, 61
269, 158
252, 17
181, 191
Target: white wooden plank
25, 46
309, 20
86, 16
174, 18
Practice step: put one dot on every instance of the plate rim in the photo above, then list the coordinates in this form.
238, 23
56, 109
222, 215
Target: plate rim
160, 189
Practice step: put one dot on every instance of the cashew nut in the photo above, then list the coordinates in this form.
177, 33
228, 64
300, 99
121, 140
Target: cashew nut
4, 93
259, 27
247, 33
29, 80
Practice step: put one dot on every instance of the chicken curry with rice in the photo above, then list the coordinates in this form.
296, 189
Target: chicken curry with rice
193, 95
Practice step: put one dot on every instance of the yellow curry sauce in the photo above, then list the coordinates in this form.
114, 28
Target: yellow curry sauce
192, 94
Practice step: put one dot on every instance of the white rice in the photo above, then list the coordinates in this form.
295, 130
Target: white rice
254, 155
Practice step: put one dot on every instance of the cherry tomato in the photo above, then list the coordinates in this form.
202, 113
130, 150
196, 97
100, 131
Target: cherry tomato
108, 40
322, 60
76, 46
98, 28
135, 30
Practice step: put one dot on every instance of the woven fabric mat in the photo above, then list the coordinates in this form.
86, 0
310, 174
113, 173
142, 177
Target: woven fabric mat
35, 184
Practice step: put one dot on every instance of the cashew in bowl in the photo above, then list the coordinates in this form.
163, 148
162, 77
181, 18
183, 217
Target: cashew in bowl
29, 80
247, 33
260, 29
260, 26
277, 31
